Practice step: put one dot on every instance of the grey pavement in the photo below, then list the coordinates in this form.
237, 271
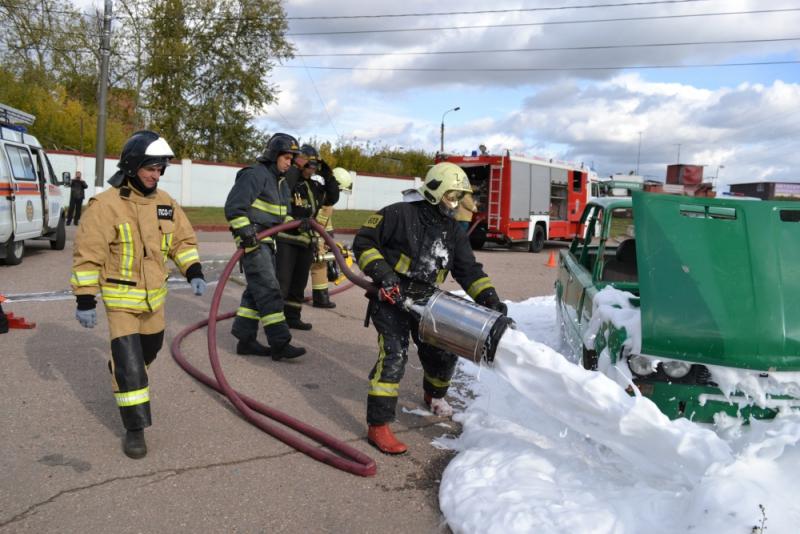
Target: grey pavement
207, 469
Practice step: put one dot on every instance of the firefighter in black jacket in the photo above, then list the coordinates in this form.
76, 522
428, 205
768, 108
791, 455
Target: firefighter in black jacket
259, 200
296, 247
404, 248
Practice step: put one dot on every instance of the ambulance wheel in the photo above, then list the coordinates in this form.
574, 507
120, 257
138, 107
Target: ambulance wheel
61, 236
14, 251
537, 243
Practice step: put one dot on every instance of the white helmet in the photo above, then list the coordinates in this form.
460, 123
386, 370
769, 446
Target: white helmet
344, 178
444, 177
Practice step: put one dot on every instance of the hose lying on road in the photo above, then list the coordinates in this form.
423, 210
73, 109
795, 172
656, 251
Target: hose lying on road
346, 458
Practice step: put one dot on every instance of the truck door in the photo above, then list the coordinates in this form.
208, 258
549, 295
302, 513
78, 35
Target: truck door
27, 205
48, 187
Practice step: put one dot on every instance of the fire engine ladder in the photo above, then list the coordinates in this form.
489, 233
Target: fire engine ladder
495, 196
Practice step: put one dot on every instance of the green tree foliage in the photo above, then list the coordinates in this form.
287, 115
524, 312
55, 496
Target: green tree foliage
366, 157
207, 73
62, 122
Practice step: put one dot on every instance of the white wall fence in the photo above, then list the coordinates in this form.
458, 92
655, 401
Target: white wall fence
204, 184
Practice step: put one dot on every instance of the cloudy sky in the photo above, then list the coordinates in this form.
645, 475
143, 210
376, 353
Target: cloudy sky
354, 79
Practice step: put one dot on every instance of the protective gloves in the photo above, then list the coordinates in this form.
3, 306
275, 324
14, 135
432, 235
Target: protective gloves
87, 318
198, 285
247, 237
390, 289
490, 299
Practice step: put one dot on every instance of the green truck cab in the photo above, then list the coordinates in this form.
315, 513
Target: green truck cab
714, 285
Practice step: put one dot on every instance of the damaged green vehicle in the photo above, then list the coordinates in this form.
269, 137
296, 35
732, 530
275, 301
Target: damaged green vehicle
703, 310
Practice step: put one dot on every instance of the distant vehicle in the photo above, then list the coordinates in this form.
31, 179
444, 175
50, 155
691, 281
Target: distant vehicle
32, 205
524, 200
713, 280
618, 185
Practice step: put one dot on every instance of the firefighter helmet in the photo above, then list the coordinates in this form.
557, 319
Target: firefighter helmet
311, 155
142, 149
279, 143
444, 177
343, 178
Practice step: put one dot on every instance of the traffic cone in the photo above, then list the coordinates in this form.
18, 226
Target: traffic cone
551, 262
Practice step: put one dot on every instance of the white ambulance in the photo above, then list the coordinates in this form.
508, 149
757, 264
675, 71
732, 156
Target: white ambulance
32, 203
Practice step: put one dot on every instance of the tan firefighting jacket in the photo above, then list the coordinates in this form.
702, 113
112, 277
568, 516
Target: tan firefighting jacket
122, 247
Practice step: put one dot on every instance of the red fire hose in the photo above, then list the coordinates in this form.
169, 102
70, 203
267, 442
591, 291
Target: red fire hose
346, 457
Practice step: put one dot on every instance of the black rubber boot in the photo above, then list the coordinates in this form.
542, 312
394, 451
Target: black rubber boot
321, 299
134, 445
287, 352
297, 323
251, 347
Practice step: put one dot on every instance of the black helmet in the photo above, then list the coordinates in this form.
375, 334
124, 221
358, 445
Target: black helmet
278, 144
142, 149
311, 155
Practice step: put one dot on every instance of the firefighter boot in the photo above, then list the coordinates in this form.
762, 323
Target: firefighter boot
321, 299
297, 323
135, 446
251, 347
439, 407
287, 352
382, 438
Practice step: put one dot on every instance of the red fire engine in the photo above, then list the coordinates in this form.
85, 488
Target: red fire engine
524, 200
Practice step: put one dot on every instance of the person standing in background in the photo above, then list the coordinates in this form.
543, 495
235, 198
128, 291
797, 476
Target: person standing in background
76, 195
319, 270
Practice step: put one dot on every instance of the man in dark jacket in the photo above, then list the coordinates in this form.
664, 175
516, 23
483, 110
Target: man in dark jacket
296, 247
407, 248
259, 200
76, 195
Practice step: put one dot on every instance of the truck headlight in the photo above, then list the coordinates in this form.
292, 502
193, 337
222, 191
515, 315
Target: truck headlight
641, 365
676, 369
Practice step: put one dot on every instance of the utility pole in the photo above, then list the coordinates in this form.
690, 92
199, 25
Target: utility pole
638, 153
679, 152
102, 97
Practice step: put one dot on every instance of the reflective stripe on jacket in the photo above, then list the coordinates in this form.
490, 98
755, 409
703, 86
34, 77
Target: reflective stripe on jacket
122, 247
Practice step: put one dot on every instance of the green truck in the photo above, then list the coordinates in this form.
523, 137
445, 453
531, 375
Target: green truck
713, 286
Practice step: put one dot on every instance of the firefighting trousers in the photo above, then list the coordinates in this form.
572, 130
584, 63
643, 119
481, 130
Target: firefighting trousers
394, 326
136, 339
319, 275
261, 301
294, 263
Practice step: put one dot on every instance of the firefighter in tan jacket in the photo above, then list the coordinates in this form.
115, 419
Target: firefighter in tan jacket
121, 250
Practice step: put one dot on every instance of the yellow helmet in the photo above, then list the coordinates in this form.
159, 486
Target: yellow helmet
344, 178
444, 177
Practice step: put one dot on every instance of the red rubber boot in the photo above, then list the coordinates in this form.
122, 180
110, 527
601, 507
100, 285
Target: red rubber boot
382, 438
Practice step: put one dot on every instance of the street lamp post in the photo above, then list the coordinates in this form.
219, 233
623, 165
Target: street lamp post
716, 176
441, 146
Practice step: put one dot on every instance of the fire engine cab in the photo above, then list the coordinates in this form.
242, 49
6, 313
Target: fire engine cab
32, 205
524, 200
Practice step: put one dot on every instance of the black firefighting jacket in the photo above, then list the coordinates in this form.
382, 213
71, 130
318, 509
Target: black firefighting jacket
418, 242
259, 196
307, 197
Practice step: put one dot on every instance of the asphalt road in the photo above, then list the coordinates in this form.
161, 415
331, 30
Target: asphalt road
207, 469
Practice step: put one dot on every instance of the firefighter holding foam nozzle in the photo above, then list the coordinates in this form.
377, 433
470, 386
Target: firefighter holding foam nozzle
121, 250
258, 201
296, 247
408, 248
321, 270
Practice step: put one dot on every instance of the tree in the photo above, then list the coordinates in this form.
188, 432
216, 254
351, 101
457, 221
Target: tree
208, 71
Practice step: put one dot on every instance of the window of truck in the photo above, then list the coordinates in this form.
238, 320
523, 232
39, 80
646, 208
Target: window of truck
21, 163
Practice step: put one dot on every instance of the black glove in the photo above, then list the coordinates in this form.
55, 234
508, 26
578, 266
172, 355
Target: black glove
325, 170
305, 226
490, 299
390, 289
247, 236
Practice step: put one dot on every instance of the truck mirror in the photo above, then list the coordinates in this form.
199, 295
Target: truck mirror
65, 178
